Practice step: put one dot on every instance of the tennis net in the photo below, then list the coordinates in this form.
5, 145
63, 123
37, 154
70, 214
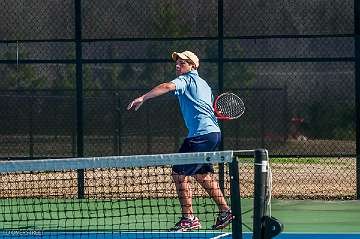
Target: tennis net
115, 196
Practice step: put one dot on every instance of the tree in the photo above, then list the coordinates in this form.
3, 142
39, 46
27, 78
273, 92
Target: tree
20, 76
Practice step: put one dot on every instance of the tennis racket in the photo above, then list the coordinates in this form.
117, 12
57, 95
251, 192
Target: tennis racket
228, 106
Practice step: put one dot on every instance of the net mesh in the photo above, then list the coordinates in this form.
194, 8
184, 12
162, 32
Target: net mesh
121, 194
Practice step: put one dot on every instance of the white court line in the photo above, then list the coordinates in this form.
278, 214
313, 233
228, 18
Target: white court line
221, 236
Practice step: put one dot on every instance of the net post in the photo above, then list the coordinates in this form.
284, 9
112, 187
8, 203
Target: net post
235, 199
260, 175
81, 183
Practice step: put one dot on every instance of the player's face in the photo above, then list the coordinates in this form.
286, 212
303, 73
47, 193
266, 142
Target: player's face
182, 67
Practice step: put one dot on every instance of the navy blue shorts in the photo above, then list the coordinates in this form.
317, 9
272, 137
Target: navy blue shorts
203, 143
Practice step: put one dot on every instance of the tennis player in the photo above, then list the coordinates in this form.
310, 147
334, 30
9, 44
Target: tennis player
195, 99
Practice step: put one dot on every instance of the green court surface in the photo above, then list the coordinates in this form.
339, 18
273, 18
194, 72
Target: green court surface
318, 216
103, 214
146, 214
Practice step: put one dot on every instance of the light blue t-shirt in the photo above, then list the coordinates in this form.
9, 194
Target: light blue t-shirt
195, 99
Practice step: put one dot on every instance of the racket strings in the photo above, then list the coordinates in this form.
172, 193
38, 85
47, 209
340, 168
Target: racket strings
230, 105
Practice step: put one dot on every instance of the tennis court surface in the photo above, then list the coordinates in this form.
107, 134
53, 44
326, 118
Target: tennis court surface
174, 235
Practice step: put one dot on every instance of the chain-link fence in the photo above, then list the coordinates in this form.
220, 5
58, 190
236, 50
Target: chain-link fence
292, 62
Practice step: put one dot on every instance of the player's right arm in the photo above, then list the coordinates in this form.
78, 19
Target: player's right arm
155, 92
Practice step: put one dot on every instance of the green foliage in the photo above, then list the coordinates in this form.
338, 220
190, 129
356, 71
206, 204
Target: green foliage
325, 121
166, 24
28, 76
20, 76
167, 21
89, 79
239, 75
67, 79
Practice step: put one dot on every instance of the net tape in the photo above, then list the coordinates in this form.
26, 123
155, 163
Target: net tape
115, 161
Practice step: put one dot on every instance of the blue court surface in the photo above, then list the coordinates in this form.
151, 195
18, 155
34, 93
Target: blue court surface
174, 235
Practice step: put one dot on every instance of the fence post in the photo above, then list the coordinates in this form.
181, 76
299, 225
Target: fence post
79, 96
117, 124
31, 124
221, 79
357, 92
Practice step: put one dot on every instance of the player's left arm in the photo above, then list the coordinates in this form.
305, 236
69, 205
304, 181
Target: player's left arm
155, 92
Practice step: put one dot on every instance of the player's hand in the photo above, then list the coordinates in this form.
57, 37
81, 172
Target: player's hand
218, 113
135, 104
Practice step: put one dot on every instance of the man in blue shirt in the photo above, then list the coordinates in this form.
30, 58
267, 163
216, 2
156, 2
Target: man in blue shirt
195, 100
